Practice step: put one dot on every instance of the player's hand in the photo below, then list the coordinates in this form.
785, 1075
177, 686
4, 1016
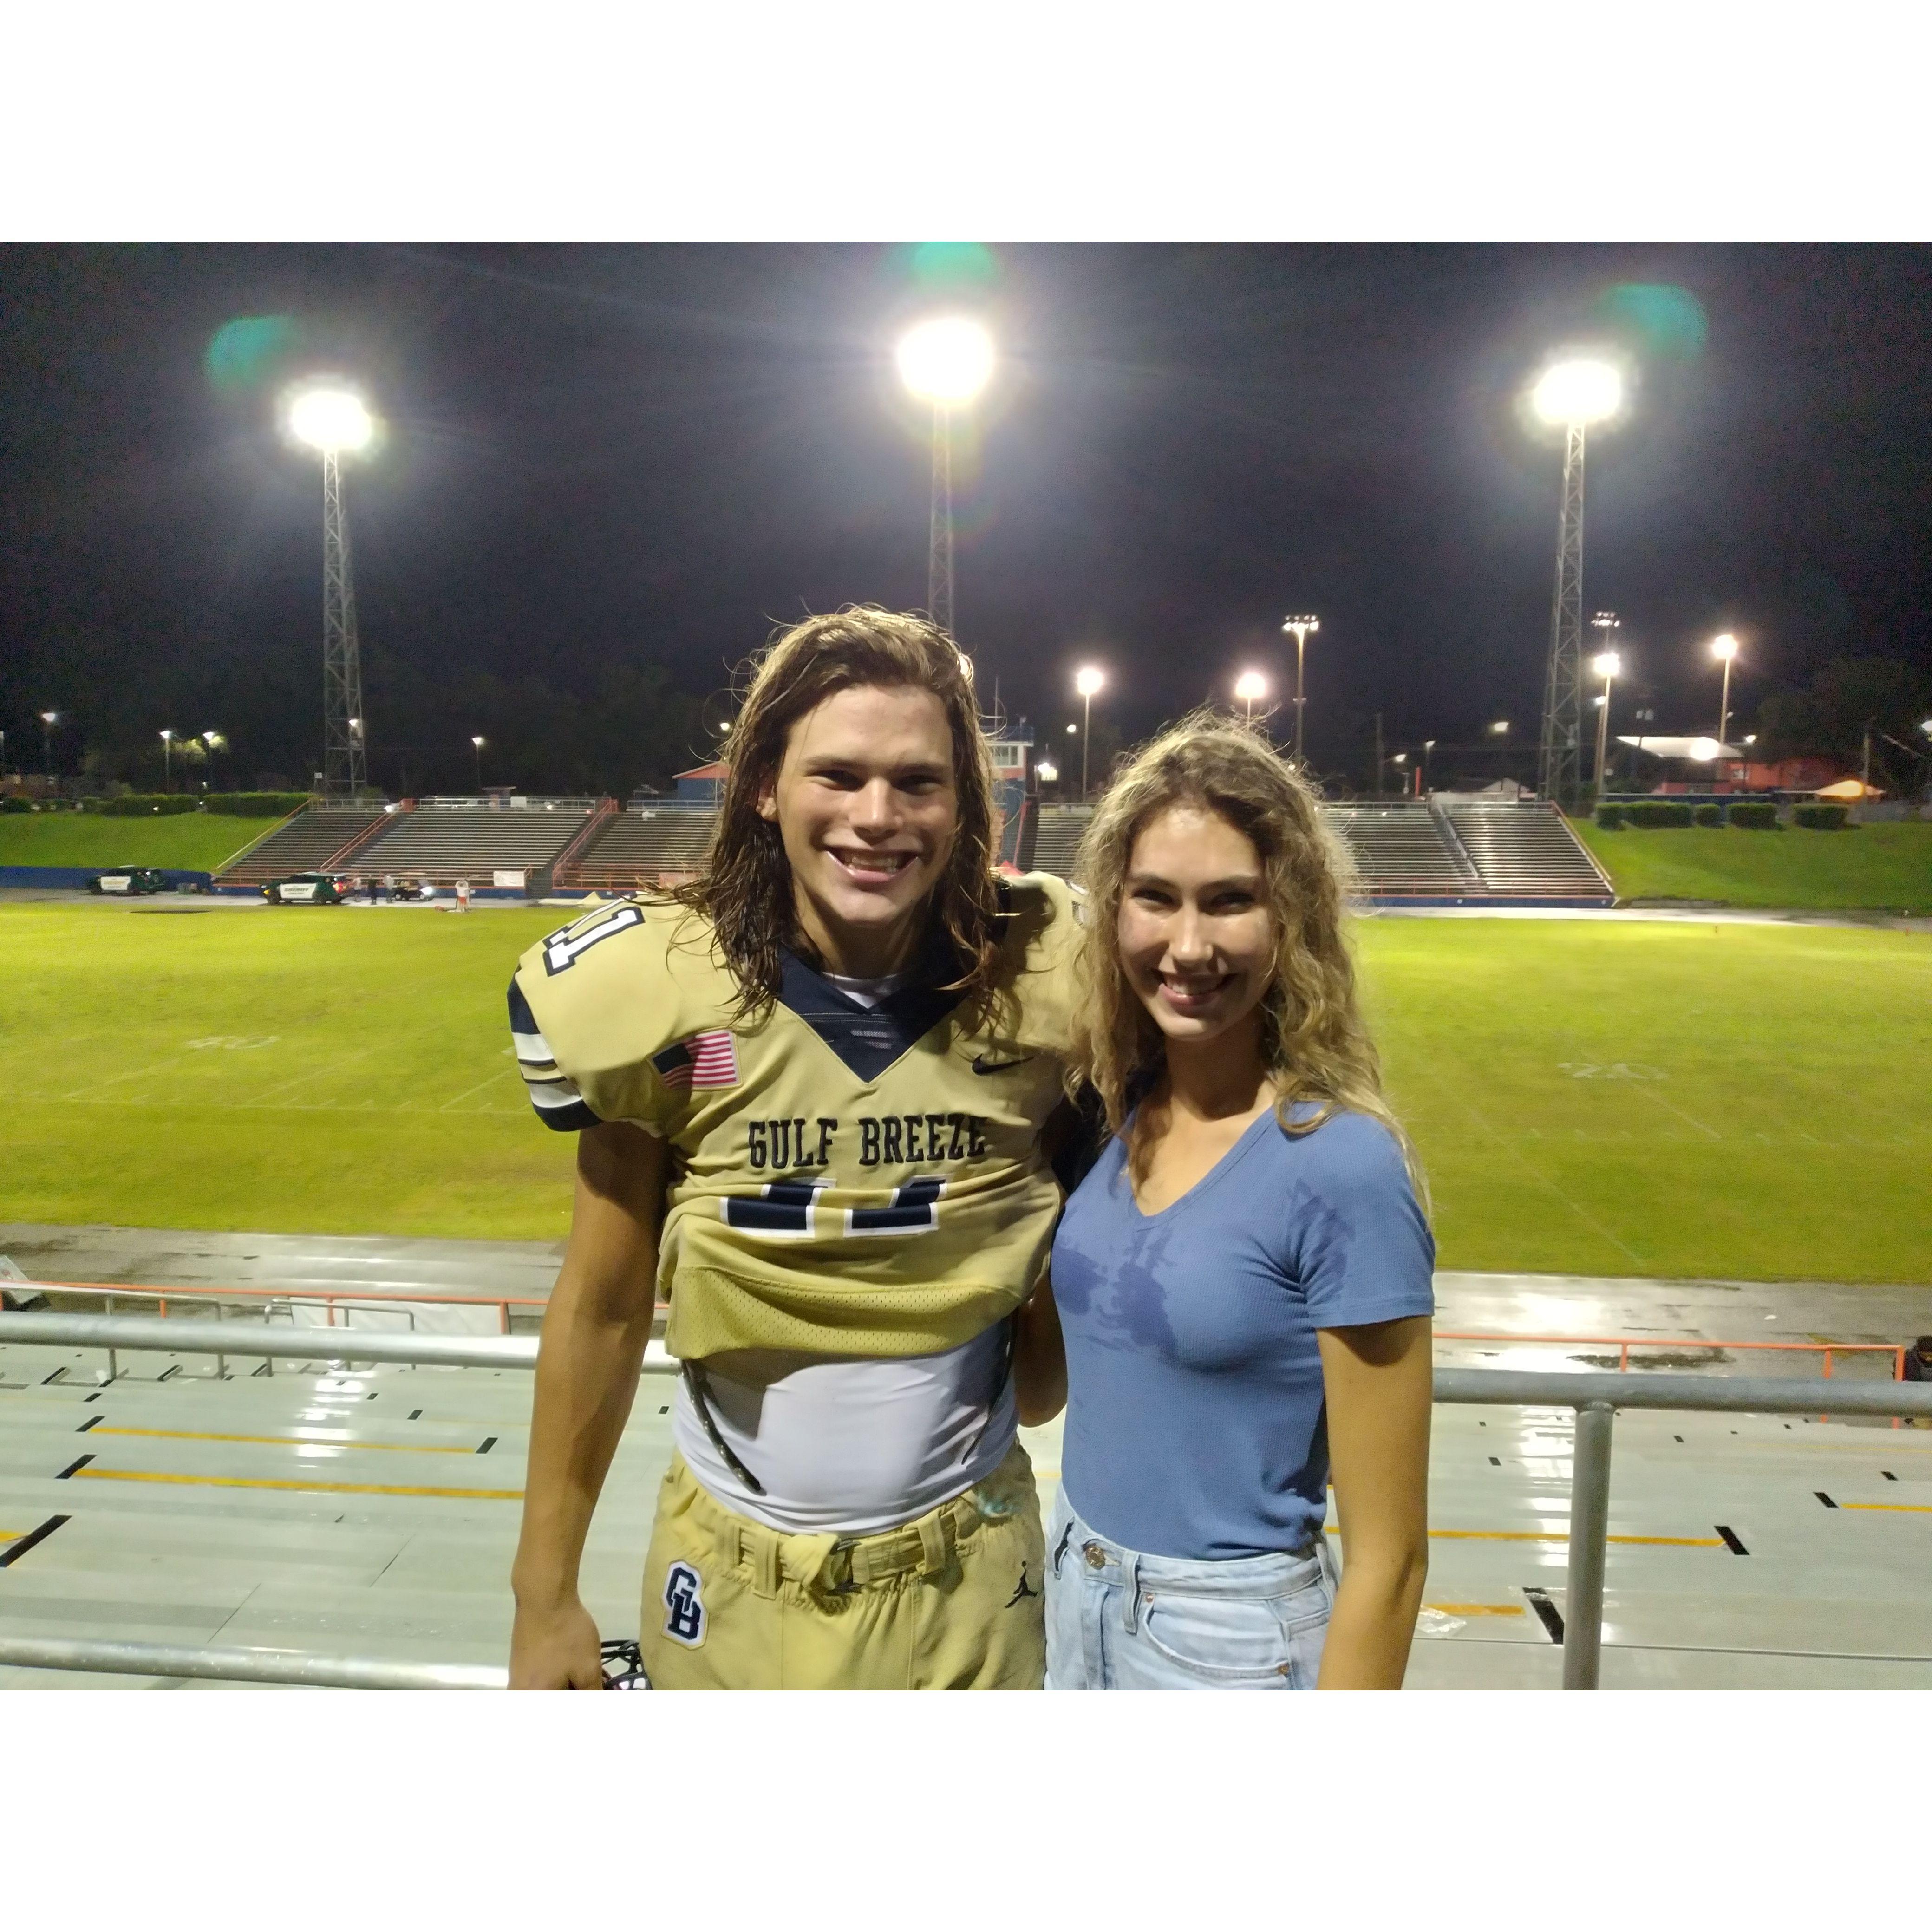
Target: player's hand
555, 1649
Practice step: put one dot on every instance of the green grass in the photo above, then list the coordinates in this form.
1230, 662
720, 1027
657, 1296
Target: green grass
1665, 1100
1869, 867
196, 841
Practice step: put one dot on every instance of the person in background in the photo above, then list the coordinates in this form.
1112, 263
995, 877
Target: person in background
1244, 1277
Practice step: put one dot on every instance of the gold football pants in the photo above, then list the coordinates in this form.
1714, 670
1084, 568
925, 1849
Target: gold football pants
952, 1601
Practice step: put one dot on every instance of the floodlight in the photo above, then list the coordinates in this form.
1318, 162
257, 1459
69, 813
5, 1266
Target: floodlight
1088, 680
478, 743
1606, 663
1704, 749
330, 419
1046, 771
1499, 728
1724, 648
1072, 730
1925, 725
1251, 687
947, 360
167, 734
49, 717
1580, 392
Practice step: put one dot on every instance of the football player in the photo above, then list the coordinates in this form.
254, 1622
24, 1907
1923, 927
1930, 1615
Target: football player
809, 1090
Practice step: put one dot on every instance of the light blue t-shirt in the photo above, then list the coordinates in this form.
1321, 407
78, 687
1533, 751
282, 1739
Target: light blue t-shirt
1196, 1425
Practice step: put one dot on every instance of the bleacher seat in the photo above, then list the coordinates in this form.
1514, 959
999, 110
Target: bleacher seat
642, 847
1055, 844
306, 843
1525, 850
445, 842
1400, 851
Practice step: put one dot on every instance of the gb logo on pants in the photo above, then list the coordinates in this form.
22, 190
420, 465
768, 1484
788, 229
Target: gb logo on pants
684, 1605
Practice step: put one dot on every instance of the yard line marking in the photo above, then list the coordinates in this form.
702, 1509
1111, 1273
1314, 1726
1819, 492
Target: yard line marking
265, 1482
1652, 1094
291, 1441
1476, 1610
114, 1080
302, 1079
501, 1073
1907, 1509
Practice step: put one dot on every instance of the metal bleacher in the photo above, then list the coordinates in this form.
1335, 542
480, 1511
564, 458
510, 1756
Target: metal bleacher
1057, 840
1525, 851
1470, 851
1400, 849
641, 846
310, 840
444, 840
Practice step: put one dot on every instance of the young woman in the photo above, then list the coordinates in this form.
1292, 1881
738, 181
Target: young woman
1244, 1278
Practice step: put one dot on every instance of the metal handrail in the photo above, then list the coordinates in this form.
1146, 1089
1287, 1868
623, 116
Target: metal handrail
1624, 1344
113, 1332
247, 1667
1595, 1397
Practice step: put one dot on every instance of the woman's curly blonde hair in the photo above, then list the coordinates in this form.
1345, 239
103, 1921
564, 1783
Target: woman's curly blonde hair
1315, 1044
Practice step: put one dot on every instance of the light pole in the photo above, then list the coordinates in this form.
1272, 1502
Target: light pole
947, 362
1250, 687
1428, 745
48, 719
1088, 680
479, 743
331, 420
167, 762
1606, 664
1571, 395
1300, 629
215, 741
1724, 649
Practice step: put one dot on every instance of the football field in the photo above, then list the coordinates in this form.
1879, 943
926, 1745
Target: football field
1589, 1097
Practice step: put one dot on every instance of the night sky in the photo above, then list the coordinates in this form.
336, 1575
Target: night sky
651, 455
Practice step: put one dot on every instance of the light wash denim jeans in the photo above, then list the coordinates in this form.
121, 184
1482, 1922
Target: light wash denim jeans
1117, 1620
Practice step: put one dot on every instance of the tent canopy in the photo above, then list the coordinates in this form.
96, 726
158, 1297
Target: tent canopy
1853, 789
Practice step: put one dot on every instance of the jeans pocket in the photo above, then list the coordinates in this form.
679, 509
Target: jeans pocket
1221, 1639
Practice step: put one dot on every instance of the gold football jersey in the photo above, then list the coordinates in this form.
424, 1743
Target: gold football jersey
847, 1180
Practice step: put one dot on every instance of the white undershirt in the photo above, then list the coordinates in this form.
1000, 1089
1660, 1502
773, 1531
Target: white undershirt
845, 1444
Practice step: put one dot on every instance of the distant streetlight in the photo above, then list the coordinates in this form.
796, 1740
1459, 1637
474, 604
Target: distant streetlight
1606, 664
1724, 649
1500, 729
215, 741
479, 743
1251, 687
48, 719
1073, 730
1300, 629
167, 761
945, 361
1088, 680
1428, 745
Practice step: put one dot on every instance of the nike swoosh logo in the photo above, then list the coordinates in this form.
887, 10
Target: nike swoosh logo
981, 1064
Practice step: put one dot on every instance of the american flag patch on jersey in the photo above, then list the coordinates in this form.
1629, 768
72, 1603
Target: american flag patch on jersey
705, 1060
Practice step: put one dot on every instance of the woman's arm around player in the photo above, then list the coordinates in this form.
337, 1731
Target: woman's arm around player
1377, 1383
595, 1330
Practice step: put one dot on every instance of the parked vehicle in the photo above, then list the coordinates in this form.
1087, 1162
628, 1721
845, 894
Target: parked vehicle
129, 881
308, 888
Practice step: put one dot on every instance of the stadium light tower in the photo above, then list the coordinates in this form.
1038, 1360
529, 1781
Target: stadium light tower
1250, 687
167, 762
1088, 680
1571, 395
1724, 649
479, 743
331, 421
1606, 665
946, 361
1300, 629
48, 719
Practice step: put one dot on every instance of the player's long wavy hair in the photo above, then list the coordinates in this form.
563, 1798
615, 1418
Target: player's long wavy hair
1315, 1044
744, 888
